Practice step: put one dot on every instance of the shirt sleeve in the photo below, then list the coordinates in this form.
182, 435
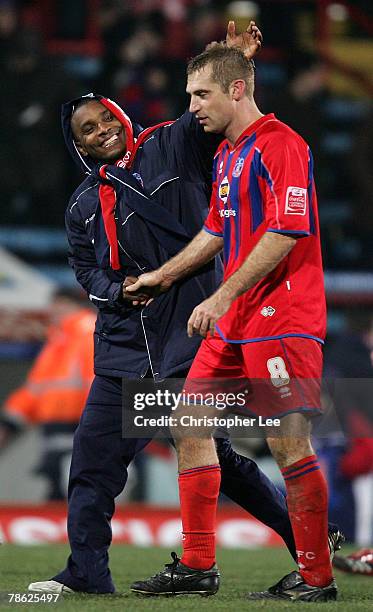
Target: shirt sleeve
214, 222
284, 170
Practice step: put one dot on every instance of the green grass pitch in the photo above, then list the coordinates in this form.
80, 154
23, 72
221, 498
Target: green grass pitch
241, 571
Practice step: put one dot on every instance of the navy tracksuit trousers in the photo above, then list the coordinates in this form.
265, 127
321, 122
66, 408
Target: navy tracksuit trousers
99, 473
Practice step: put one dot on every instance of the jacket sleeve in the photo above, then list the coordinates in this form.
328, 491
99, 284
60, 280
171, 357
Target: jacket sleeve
192, 150
103, 292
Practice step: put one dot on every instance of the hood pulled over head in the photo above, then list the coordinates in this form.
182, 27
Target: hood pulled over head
88, 163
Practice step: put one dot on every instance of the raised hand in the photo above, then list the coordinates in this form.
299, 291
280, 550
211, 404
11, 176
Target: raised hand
249, 42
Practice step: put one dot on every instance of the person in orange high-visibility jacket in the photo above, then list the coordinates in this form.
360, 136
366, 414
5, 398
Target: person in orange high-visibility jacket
56, 388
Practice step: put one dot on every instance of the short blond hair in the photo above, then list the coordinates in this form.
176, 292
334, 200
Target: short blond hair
228, 64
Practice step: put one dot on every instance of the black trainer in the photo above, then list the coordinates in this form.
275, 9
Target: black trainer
293, 588
178, 579
335, 539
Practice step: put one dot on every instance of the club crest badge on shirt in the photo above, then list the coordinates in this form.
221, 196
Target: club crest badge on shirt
224, 189
238, 167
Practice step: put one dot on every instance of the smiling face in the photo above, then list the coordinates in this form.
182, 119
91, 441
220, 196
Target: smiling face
97, 132
212, 106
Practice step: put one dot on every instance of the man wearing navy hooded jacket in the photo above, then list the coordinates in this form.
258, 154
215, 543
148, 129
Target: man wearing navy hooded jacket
145, 195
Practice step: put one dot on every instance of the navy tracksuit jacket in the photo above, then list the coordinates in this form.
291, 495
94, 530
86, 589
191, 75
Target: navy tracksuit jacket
161, 204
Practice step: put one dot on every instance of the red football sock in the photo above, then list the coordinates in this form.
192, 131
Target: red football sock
307, 499
199, 490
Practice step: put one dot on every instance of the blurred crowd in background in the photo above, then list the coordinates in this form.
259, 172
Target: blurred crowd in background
314, 72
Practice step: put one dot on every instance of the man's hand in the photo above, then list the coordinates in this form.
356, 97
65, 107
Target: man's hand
137, 298
249, 42
151, 284
205, 315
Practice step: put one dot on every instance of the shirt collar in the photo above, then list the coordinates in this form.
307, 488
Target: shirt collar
253, 127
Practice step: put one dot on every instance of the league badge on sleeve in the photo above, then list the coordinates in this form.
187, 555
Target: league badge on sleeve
296, 201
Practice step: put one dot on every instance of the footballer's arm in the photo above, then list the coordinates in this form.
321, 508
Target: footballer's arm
196, 254
266, 255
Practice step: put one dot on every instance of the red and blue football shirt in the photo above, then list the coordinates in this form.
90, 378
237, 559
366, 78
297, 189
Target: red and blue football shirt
264, 183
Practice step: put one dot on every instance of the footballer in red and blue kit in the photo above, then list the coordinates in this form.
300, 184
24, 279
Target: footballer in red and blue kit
264, 183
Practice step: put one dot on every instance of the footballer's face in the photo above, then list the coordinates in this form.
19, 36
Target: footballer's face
97, 132
210, 104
